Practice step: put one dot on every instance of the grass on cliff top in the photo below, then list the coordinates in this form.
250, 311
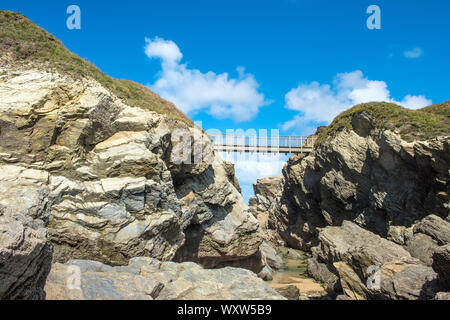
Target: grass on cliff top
422, 124
27, 44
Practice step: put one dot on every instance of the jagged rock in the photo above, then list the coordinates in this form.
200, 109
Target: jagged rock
375, 179
119, 182
267, 192
229, 169
108, 178
350, 282
353, 253
266, 273
147, 278
290, 292
265, 256
358, 188
358, 247
266, 189
25, 252
422, 247
428, 234
406, 281
321, 273
222, 230
270, 256
441, 264
435, 227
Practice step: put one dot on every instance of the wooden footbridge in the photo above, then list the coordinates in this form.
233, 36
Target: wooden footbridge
262, 143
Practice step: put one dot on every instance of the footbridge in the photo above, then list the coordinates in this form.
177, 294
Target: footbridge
262, 143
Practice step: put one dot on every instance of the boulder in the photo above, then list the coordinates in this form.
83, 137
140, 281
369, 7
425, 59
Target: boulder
147, 279
266, 273
422, 247
436, 228
370, 267
351, 284
406, 281
290, 292
270, 256
321, 273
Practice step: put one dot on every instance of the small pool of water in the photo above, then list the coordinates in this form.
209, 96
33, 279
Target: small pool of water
296, 274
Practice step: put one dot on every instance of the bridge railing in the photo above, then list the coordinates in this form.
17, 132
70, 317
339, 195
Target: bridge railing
289, 143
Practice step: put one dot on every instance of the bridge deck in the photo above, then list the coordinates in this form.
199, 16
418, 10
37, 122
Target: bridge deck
261, 149
263, 144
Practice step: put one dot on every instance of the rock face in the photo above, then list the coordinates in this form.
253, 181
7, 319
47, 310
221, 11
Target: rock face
25, 252
108, 181
89, 171
266, 199
367, 199
148, 279
25, 259
349, 178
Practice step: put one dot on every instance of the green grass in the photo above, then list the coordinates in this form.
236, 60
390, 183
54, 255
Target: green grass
423, 124
442, 109
30, 45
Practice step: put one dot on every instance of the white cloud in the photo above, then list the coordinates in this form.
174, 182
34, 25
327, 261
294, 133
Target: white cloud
413, 53
166, 50
320, 104
249, 168
192, 91
415, 102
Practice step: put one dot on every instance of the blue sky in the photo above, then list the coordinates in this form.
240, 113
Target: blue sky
290, 65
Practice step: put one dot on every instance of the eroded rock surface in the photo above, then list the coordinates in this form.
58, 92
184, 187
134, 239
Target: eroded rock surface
113, 187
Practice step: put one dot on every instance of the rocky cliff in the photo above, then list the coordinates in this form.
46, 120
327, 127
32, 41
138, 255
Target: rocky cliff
87, 168
375, 192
